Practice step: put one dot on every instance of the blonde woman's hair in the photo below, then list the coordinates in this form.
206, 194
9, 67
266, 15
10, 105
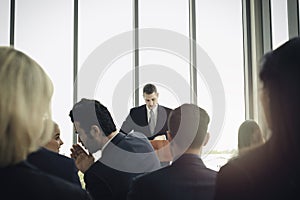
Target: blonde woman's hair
25, 99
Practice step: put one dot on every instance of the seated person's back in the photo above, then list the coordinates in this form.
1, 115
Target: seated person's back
187, 177
24, 180
49, 160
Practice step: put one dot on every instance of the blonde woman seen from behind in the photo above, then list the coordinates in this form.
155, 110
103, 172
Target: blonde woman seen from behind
25, 125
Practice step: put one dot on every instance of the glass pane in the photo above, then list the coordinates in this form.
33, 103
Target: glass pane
157, 14
160, 62
44, 30
279, 22
219, 34
4, 22
105, 52
169, 72
299, 12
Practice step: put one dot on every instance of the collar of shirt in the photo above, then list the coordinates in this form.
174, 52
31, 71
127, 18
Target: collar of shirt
98, 154
154, 110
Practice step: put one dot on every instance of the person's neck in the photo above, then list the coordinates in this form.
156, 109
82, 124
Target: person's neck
108, 139
196, 151
112, 135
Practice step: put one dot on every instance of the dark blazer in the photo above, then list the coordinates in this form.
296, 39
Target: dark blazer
186, 178
266, 172
55, 164
137, 121
110, 176
25, 181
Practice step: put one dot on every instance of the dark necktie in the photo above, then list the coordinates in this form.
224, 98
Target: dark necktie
152, 122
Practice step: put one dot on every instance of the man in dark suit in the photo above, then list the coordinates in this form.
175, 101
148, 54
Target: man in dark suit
187, 177
122, 157
140, 120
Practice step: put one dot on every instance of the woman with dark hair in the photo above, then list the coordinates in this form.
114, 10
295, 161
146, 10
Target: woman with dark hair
271, 171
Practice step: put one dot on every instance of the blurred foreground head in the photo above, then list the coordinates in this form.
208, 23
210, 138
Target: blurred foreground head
25, 117
280, 76
188, 126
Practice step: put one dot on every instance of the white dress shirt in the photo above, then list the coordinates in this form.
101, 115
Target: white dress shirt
98, 154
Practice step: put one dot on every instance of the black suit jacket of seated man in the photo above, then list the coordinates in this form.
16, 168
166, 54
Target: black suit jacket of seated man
125, 157
185, 178
137, 121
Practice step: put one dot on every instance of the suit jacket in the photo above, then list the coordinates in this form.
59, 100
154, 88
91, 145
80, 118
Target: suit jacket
137, 121
25, 181
125, 157
55, 164
266, 172
186, 178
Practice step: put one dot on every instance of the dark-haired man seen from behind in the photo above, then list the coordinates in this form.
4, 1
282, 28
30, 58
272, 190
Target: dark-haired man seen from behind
121, 156
150, 118
187, 177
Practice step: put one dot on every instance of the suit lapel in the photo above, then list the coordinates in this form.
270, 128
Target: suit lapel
160, 121
118, 138
144, 116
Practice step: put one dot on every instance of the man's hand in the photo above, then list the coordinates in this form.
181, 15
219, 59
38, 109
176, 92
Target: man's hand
83, 160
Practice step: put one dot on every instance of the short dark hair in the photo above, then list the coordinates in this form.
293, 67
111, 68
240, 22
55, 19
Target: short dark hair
91, 112
149, 89
189, 117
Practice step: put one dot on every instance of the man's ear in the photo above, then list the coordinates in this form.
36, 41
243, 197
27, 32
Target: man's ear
207, 136
76, 125
95, 131
169, 136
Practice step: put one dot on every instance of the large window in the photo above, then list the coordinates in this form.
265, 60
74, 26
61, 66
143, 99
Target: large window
44, 31
219, 34
105, 51
158, 64
106, 66
279, 22
4, 22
